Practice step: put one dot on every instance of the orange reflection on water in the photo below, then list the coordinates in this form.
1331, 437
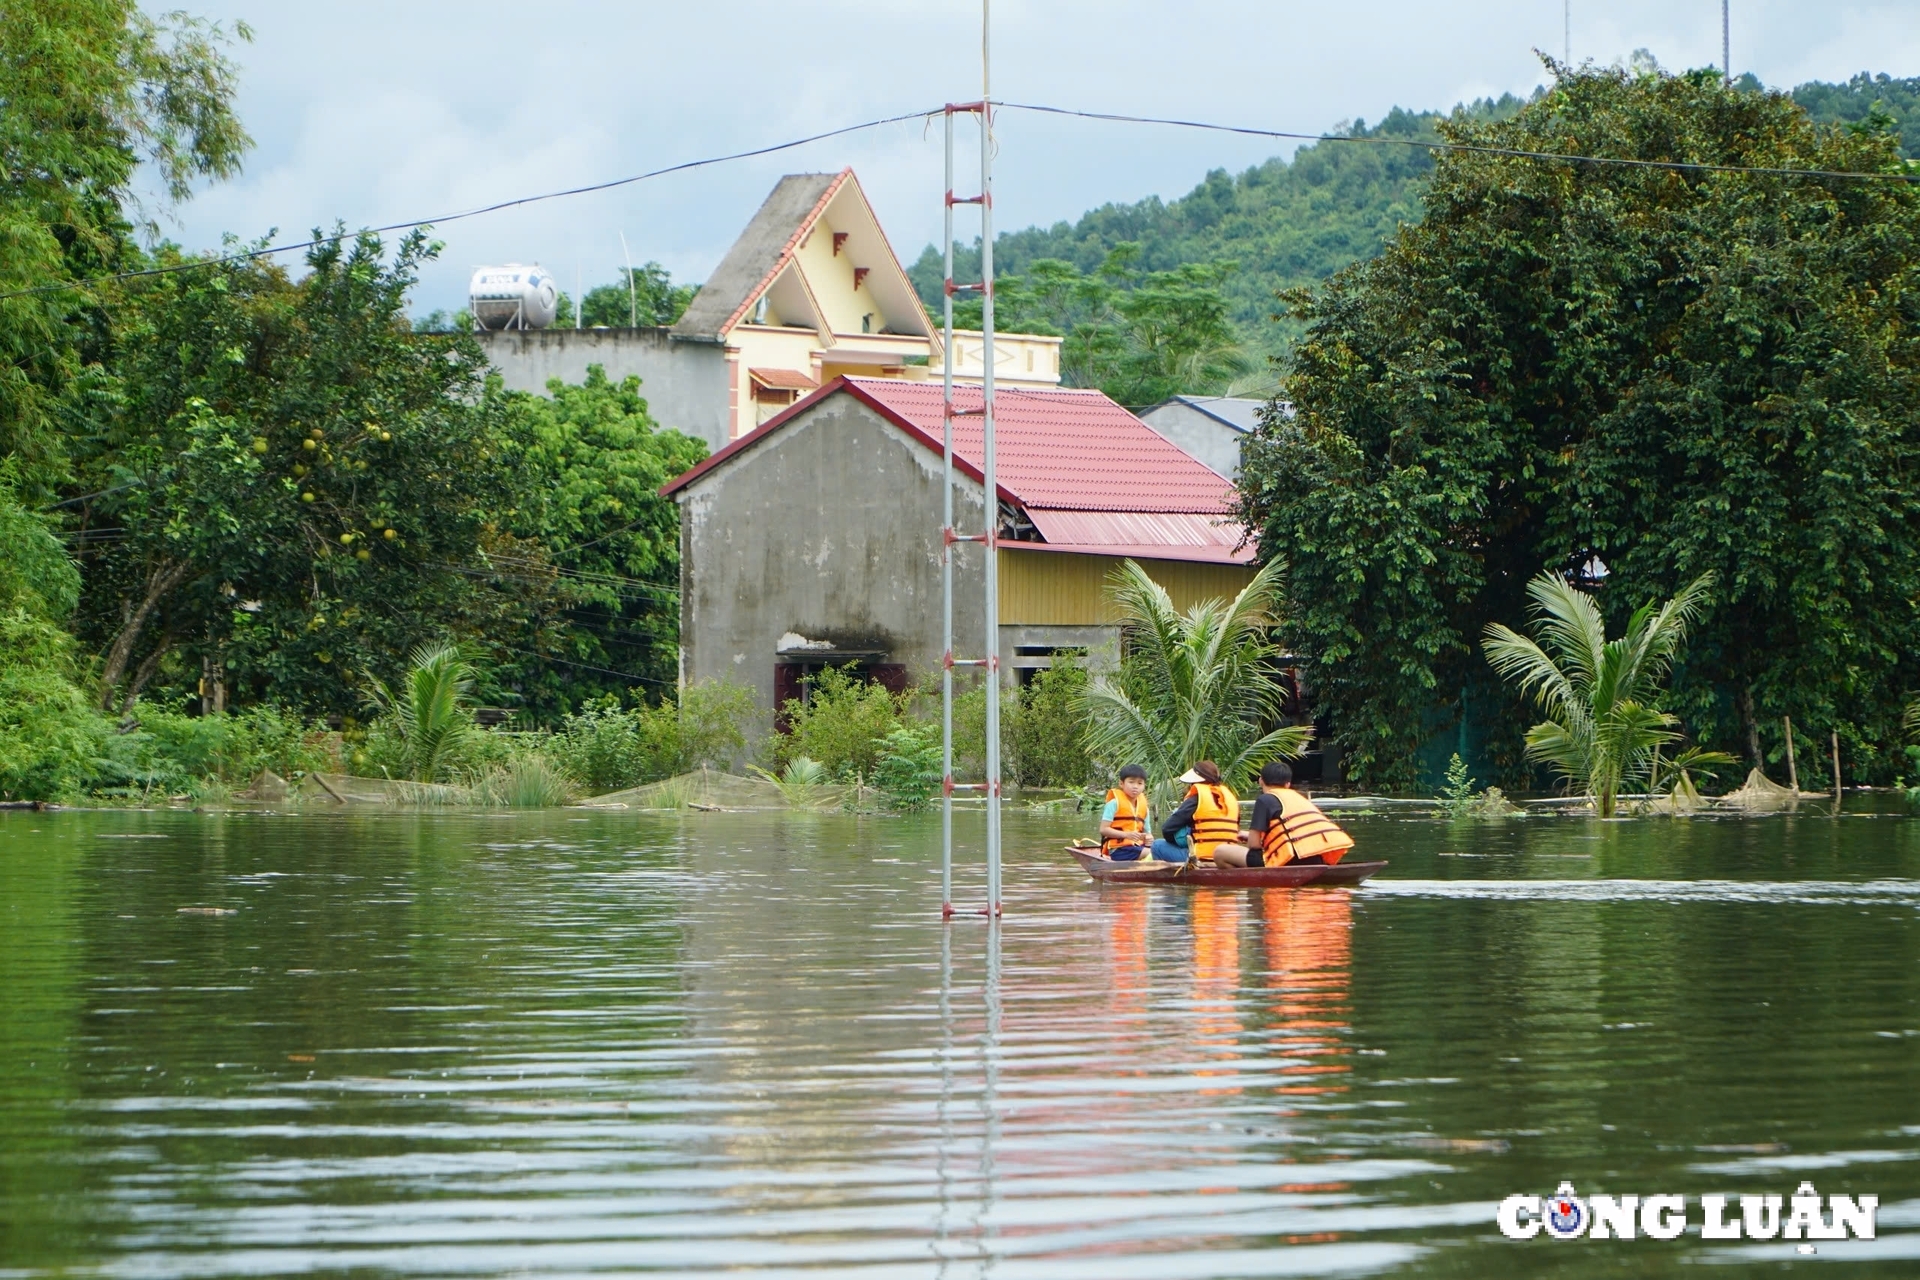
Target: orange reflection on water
1216, 981
1309, 952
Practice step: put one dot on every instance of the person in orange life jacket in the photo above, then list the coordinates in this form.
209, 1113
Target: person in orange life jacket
1286, 827
1123, 820
1209, 818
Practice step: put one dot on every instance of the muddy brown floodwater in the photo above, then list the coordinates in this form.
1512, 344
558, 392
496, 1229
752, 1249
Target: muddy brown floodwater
573, 1044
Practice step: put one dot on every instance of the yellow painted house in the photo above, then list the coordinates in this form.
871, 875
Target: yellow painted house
812, 290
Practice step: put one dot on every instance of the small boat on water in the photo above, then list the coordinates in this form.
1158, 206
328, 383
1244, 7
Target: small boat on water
1290, 876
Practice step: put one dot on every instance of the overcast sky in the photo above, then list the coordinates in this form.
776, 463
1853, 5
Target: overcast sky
373, 113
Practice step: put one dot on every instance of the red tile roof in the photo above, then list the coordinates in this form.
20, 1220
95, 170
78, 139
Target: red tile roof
1057, 450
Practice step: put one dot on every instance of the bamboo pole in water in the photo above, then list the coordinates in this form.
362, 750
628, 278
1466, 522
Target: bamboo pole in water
1836, 766
1793, 775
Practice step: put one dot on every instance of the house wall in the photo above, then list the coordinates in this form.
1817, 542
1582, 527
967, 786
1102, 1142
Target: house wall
1065, 589
830, 529
685, 383
1213, 442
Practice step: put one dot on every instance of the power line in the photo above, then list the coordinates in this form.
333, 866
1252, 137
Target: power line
1038, 108
1467, 147
496, 207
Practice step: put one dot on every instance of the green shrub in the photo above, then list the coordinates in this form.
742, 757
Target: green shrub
843, 724
907, 773
232, 747
606, 749
526, 779
50, 734
1044, 734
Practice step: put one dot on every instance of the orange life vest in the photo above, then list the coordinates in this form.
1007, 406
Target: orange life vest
1216, 817
1129, 815
1301, 830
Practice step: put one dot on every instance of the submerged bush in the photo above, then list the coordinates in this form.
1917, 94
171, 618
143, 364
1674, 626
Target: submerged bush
843, 724
604, 748
907, 774
1046, 739
525, 780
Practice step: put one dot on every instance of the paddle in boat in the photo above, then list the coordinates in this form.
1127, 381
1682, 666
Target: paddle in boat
1289, 876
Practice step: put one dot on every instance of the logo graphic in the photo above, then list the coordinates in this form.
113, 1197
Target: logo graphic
1566, 1214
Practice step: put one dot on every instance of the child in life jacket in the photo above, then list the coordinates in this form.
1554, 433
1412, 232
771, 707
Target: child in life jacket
1123, 819
1285, 827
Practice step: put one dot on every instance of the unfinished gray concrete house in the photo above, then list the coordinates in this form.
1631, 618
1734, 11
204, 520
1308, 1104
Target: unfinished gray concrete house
816, 539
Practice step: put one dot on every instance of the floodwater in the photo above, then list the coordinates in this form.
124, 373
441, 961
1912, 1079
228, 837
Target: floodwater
573, 1044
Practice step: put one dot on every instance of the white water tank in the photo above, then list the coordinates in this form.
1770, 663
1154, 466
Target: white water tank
513, 297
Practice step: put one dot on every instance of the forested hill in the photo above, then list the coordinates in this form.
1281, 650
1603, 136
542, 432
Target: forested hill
1286, 224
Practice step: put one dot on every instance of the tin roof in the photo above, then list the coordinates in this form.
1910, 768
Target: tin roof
1091, 475
782, 379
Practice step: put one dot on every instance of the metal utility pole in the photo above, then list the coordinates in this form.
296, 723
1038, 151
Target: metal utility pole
990, 498
1566, 34
1726, 42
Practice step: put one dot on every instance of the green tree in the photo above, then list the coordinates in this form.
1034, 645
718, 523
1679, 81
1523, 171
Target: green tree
282, 476
601, 525
1138, 337
1193, 686
1285, 223
1601, 697
644, 295
1868, 102
1669, 371
49, 733
94, 89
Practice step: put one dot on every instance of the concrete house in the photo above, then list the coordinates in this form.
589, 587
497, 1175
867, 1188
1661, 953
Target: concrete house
1208, 427
816, 539
811, 290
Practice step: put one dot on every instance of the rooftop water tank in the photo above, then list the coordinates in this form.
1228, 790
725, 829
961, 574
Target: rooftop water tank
513, 297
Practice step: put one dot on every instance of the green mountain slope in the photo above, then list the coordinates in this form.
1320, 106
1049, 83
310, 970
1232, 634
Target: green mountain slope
1852, 102
1285, 224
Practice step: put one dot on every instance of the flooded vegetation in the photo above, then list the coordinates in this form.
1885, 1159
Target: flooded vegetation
565, 1043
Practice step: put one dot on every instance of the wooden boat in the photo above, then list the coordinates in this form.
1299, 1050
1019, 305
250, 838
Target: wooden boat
1103, 868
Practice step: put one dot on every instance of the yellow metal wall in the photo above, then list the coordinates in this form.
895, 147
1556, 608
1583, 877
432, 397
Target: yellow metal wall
1053, 588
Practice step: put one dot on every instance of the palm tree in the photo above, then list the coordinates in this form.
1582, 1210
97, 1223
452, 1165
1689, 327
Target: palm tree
1599, 695
1194, 686
430, 712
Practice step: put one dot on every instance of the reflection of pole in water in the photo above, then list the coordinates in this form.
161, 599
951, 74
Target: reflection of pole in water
945, 1143
990, 1092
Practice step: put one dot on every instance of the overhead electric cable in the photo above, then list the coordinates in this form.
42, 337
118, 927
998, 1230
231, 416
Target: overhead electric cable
1038, 108
496, 207
1471, 147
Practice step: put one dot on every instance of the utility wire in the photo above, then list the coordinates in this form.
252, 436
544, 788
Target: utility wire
270, 250
1038, 108
1469, 147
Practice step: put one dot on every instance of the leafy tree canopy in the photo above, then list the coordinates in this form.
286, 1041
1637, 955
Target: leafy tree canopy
282, 475
94, 88
598, 516
1282, 224
1139, 337
1634, 375
1880, 102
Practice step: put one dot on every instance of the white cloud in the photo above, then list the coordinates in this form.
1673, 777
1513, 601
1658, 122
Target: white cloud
393, 111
